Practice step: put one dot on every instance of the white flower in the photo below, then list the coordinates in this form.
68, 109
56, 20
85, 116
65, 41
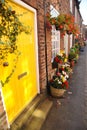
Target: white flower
60, 82
67, 76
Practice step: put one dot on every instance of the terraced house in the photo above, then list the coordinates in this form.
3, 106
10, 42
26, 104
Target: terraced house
26, 65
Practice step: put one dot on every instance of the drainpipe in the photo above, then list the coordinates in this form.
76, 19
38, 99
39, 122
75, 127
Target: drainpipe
45, 44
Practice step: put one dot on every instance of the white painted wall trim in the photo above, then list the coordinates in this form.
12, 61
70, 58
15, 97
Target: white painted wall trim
66, 44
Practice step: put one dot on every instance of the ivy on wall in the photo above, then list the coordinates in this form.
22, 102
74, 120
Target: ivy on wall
10, 28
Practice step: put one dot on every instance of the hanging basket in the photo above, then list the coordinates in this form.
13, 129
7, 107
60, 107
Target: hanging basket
68, 32
57, 92
57, 28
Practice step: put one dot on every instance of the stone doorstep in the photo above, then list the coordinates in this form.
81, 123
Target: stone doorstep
39, 116
27, 113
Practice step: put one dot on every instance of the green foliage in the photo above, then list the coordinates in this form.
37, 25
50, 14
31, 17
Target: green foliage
10, 28
13, 69
73, 55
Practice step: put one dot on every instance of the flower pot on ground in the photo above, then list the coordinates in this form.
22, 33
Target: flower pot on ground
57, 92
72, 63
58, 85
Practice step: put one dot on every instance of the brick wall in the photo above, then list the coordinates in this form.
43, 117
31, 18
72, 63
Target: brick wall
64, 6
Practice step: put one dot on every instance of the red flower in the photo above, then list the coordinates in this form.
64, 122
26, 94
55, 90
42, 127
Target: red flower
61, 69
48, 25
56, 59
60, 61
61, 27
51, 80
66, 84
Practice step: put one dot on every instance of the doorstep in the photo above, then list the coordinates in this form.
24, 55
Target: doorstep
34, 115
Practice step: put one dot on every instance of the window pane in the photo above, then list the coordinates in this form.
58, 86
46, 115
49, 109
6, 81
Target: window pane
55, 42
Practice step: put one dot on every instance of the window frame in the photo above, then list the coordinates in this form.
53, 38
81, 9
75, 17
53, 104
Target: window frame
55, 35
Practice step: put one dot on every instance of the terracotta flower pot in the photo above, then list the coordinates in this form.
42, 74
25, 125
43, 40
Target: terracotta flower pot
72, 64
57, 92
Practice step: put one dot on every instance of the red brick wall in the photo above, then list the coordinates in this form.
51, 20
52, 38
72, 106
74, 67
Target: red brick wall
32, 3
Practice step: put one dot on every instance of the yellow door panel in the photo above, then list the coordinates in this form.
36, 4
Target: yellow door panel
22, 87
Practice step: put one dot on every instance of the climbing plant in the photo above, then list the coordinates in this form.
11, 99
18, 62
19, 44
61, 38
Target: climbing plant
10, 28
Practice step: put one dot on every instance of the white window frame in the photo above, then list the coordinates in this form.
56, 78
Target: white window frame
71, 40
55, 42
71, 6
55, 35
76, 14
66, 44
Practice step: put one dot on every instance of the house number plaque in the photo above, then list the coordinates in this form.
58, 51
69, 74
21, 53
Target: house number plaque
22, 75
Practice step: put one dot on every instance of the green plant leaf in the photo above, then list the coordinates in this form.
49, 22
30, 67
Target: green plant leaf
2, 1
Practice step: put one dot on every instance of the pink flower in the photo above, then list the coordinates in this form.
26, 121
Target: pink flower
58, 74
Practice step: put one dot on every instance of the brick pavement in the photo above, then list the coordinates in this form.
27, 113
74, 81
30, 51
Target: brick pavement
70, 113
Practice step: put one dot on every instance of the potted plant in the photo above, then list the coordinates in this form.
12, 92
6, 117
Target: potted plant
58, 85
66, 70
58, 59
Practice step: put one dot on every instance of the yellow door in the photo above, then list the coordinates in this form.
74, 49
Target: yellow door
23, 86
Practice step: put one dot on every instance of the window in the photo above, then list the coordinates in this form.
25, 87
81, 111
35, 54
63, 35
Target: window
55, 34
53, 11
55, 42
76, 12
66, 44
71, 38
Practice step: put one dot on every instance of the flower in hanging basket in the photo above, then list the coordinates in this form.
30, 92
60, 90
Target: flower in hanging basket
59, 27
48, 25
75, 29
50, 21
60, 19
68, 32
69, 19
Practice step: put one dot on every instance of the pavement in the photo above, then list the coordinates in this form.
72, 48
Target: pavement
70, 112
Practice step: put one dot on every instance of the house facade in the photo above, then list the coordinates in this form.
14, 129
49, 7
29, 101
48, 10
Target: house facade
34, 67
